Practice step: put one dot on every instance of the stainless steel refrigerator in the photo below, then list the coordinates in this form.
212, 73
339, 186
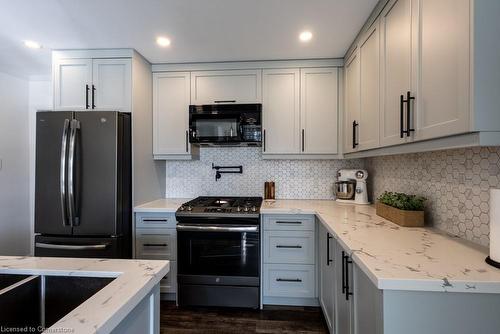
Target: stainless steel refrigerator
83, 186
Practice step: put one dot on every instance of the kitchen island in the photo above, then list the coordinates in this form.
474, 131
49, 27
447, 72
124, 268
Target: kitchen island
127, 301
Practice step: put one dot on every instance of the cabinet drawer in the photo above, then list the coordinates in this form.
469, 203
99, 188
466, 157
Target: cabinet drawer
155, 220
168, 284
289, 247
285, 280
289, 222
156, 244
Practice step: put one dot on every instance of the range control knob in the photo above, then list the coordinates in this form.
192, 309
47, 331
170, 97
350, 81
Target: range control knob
189, 208
245, 209
254, 208
182, 208
238, 209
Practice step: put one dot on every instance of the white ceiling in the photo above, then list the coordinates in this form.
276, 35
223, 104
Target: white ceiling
200, 30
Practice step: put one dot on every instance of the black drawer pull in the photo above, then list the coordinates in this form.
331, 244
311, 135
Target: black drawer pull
281, 222
155, 220
155, 245
294, 280
225, 101
285, 246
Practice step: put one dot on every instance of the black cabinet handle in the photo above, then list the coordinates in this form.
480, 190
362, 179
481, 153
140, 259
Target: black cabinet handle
155, 245
93, 97
354, 125
409, 98
187, 141
343, 272
401, 114
346, 280
328, 260
264, 140
155, 220
225, 101
87, 97
282, 222
285, 246
303, 139
296, 280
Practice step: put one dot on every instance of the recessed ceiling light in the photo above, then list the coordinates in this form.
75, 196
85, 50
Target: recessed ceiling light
32, 45
305, 36
163, 41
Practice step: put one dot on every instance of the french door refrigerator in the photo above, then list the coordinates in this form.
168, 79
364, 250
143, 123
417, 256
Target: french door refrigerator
83, 186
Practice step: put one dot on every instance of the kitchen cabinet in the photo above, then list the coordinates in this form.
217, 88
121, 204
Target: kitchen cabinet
228, 86
281, 111
443, 101
171, 99
89, 83
300, 111
112, 84
319, 110
352, 102
289, 260
72, 83
326, 266
396, 77
367, 131
344, 291
156, 239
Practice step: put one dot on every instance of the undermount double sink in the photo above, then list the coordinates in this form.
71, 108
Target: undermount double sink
38, 302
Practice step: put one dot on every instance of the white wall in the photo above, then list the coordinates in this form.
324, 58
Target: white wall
14, 173
40, 98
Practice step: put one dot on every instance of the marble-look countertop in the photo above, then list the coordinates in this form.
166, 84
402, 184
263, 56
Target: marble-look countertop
393, 257
162, 205
108, 307
399, 258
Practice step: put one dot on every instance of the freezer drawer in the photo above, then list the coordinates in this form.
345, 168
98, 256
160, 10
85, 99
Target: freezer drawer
108, 248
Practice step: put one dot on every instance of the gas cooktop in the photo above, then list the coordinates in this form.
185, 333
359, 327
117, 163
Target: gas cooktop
221, 207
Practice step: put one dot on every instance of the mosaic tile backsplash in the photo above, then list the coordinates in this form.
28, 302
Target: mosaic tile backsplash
295, 179
455, 182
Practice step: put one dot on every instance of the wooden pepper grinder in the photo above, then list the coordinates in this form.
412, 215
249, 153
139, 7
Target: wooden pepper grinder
269, 190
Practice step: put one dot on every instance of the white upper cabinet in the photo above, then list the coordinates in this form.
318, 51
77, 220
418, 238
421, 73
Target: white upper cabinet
351, 102
369, 70
171, 98
443, 101
231, 86
112, 84
72, 83
395, 70
319, 110
86, 83
280, 111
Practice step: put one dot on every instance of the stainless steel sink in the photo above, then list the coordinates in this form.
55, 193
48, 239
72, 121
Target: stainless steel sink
40, 301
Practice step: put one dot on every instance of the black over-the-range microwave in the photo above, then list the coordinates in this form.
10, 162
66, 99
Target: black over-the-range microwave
226, 124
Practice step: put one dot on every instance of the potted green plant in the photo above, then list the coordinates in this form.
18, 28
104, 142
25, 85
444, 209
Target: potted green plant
402, 209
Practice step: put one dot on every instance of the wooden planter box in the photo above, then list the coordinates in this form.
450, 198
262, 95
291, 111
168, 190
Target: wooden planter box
401, 217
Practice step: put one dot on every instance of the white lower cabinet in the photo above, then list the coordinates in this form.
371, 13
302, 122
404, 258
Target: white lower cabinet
289, 260
156, 239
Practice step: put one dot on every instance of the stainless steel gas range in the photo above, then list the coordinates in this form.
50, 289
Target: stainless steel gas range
218, 247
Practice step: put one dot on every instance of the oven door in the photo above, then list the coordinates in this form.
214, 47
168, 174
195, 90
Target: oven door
229, 252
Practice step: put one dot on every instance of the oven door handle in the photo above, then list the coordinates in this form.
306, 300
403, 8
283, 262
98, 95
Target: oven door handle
217, 228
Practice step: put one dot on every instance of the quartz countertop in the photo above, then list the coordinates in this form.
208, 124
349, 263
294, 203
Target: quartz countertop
399, 258
393, 257
102, 312
162, 205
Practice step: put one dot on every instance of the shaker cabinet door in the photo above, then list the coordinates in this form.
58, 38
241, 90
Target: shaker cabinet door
319, 110
352, 102
443, 104
280, 111
111, 84
171, 96
72, 84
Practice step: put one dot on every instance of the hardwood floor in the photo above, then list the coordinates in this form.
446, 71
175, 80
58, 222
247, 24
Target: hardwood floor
274, 319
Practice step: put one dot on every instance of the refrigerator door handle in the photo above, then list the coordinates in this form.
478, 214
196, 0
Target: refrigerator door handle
71, 247
75, 125
62, 172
